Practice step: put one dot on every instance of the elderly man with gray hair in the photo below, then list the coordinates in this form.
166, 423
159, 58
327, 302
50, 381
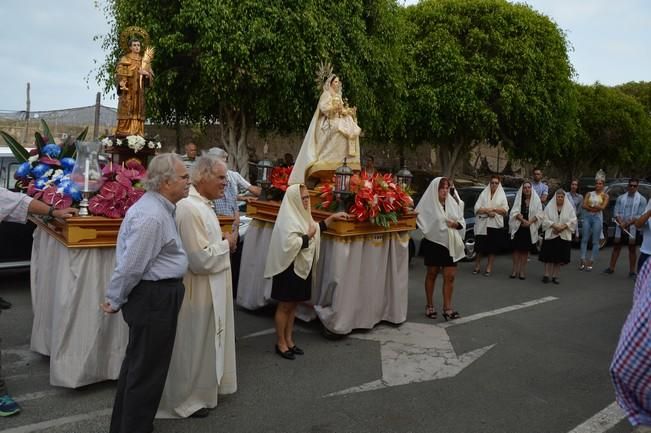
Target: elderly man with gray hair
203, 361
227, 205
147, 286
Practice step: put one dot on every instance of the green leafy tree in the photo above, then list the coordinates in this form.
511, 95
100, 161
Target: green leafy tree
613, 131
640, 90
251, 63
487, 70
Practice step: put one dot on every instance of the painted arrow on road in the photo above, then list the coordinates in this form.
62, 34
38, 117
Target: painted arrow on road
412, 353
418, 352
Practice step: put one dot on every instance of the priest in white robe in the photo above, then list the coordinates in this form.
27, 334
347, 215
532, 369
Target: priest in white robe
203, 361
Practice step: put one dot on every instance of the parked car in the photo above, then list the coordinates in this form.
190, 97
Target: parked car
15, 238
469, 195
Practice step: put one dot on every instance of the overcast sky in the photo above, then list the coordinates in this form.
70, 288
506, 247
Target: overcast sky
50, 44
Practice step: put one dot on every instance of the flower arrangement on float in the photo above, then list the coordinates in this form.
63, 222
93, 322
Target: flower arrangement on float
376, 198
121, 189
45, 170
279, 182
133, 142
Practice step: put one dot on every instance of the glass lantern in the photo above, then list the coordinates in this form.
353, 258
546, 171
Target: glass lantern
342, 185
86, 174
264, 177
404, 177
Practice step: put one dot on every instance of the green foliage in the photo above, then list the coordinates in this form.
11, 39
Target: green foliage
614, 130
488, 70
640, 90
257, 58
17, 149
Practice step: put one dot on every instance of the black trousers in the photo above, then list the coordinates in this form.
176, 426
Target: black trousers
151, 313
236, 259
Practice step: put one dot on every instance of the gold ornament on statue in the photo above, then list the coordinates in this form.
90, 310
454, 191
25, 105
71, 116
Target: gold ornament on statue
133, 75
323, 74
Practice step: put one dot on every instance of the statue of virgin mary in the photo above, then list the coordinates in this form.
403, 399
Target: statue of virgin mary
332, 136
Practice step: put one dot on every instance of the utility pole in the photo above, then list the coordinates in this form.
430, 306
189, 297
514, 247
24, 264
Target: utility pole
97, 108
28, 103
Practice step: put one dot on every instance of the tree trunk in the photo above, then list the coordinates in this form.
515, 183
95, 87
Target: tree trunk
234, 131
450, 155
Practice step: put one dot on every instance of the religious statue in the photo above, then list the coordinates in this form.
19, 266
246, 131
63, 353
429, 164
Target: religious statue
333, 134
133, 75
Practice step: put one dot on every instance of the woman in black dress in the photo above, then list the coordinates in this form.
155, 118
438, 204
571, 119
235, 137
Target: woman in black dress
524, 221
440, 218
293, 253
559, 222
490, 209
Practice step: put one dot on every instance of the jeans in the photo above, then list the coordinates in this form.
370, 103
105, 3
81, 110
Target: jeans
592, 225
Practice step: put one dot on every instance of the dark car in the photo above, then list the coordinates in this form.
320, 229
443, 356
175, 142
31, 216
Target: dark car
15, 238
469, 195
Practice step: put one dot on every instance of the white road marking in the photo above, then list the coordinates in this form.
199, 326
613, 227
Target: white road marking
298, 328
508, 309
44, 425
602, 421
419, 352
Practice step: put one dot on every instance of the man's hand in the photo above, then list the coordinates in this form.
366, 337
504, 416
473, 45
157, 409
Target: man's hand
106, 307
65, 213
232, 240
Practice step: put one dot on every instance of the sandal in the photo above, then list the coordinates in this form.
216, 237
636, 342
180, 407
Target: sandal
430, 312
487, 273
476, 271
451, 316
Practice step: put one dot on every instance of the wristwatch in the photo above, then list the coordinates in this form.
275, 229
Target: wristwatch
50, 213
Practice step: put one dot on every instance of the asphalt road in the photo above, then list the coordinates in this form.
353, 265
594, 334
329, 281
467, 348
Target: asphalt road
539, 366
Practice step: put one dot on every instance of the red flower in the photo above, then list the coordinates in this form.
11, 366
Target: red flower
280, 177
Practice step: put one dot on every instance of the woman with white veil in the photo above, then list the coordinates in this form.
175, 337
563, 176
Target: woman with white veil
490, 209
332, 136
440, 218
559, 222
524, 222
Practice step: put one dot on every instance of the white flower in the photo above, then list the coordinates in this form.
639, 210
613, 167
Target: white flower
151, 145
135, 142
107, 142
57, 173
118, 142
158, 145
49, 173
32, 158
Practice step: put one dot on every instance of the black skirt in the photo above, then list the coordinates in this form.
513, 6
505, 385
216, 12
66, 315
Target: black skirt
289, 287
556, 251
522, 239
490, 243
435, 254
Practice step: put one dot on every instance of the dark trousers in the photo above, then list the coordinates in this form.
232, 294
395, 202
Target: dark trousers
3, 387
236, 258
641, 260
151, 313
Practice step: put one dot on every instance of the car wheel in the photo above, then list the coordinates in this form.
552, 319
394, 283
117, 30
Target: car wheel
470, 250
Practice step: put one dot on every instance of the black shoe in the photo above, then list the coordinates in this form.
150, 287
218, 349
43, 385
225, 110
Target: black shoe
201, 413
545, 279
555, 280
512, 276
451, 315
287, 354
5, 305
296, 350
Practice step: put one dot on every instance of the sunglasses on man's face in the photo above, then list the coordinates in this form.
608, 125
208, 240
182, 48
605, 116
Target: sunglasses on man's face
632, 185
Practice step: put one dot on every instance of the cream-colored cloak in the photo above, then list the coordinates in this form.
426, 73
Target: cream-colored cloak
203, 360
329, 139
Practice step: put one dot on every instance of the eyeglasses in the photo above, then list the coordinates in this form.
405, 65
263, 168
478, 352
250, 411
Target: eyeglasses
631, 185
495, 183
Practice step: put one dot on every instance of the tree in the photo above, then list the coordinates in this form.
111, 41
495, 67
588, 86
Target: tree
487, 70
613, 131
640, 90
245, 63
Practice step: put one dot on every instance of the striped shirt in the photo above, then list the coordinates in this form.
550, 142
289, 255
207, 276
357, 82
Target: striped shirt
227, 205
149, 248
13, 206
631, 366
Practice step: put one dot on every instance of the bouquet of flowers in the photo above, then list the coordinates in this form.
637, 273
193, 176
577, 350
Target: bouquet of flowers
377, 198
120, 191
133, 142
279, 181
45, 170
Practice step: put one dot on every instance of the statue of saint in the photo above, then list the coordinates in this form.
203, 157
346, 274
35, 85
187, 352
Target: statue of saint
133, 75
332, 136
